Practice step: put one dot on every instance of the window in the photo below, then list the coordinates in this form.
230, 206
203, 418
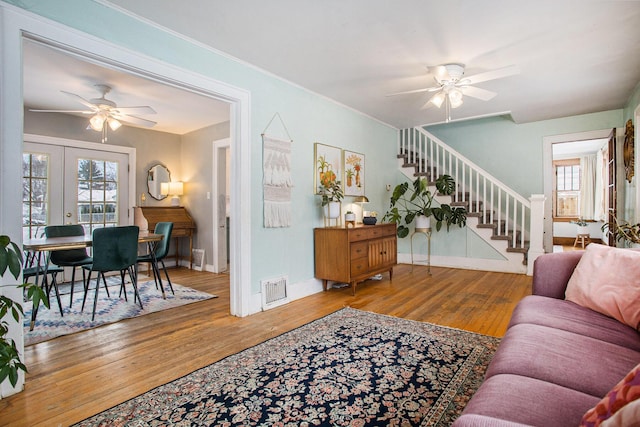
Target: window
35, 194
567, 188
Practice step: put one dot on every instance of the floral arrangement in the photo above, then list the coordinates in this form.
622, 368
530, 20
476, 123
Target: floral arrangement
330, 188
579, 222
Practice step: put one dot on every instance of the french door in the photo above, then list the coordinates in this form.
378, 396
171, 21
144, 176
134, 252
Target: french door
69, 185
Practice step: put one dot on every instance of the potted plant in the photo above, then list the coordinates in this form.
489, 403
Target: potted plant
408, 205
623, 231
350, 216
11, 259
582, 226
332, 195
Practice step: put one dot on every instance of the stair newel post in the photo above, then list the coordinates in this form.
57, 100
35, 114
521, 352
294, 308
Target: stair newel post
536, 234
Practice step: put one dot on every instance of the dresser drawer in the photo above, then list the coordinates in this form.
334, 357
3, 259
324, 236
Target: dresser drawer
372, 232
358, 250
359, 266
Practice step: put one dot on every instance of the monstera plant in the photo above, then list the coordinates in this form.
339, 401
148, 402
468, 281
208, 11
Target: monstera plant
407, 203
11, 259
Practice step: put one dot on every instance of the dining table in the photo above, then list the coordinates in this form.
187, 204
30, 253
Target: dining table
45, 245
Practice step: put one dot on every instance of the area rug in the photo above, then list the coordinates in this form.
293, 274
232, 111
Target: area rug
350, 368
49, 323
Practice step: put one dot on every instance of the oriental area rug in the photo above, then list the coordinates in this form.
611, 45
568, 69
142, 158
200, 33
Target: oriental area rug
350, 368
110, 309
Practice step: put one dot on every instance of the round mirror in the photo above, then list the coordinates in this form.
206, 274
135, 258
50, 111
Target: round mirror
156, 175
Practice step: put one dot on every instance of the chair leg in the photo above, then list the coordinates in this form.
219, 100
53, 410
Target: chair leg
134, 282
73, 281
122, 287
106, 288
54, 284
95, 301
86, 289
164, 267
158, 278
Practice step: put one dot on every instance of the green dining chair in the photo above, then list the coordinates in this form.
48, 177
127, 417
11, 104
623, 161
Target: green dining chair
69, 257
161, 250
114, 249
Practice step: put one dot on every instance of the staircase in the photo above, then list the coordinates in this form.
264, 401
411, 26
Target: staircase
496, 213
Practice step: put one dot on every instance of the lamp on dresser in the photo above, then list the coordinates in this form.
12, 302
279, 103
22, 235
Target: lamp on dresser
173, 188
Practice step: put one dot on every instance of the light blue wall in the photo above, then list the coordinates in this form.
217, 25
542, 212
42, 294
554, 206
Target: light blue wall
513, 152
309, 118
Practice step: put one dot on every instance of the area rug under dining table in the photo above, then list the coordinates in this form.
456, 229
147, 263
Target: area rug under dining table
351, 368
110, 309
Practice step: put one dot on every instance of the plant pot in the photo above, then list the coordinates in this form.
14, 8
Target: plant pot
423, 223
350, 217
369, 220
583, 229
332, 210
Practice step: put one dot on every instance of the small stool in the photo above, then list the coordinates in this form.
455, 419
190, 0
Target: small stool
584, 240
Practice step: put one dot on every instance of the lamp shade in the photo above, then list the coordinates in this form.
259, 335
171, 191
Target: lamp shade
164, 188
97, 122
176, 188
361, 199
437, 99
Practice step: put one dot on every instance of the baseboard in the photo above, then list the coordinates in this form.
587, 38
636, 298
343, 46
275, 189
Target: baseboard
294, 291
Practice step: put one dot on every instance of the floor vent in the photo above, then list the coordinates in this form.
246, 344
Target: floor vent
274, 292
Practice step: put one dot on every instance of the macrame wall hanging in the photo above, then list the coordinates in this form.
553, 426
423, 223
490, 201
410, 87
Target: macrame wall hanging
276, 181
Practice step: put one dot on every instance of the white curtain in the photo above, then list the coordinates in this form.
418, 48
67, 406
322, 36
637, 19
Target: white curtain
588, 186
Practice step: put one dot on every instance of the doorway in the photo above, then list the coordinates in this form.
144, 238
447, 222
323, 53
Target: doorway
20, 24
558, 152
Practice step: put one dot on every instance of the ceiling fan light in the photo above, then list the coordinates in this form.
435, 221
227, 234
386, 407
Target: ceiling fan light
455, 98
114, 124
97, 122
437, 99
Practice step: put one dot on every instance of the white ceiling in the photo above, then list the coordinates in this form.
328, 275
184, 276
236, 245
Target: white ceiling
574, 56
48, 71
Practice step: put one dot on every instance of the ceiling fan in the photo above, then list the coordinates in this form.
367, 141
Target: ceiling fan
105, 112
452, 86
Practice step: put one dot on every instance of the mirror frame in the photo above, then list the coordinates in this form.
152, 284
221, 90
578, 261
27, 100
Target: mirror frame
151, 181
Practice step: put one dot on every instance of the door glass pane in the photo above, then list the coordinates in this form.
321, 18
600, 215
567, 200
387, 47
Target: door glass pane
97, 194
35, 194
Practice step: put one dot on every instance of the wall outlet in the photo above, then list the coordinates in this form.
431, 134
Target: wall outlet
208, 195
388, 187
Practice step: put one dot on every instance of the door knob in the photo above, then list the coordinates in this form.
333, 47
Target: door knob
68, 214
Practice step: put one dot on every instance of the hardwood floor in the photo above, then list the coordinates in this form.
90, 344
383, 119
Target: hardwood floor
73, 377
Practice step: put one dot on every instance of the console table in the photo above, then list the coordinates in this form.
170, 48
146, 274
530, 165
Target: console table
183, 224
352, 255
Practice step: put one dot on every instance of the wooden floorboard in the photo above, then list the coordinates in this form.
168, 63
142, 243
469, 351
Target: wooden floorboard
73, 377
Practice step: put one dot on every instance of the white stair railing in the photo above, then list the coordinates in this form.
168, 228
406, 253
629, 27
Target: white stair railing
483, 193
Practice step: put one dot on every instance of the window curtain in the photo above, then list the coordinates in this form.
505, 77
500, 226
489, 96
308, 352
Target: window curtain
588, 167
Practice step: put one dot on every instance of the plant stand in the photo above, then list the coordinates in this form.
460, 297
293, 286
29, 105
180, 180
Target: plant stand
584, 239
426, 232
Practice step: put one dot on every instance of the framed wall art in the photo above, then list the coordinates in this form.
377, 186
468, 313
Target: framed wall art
353, 173
327, 165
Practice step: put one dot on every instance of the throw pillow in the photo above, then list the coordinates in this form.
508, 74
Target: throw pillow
619, 407
607, 280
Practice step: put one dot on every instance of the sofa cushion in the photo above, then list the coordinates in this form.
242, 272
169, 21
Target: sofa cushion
625, 392
564, 358
571, 317
524, 400
607, 280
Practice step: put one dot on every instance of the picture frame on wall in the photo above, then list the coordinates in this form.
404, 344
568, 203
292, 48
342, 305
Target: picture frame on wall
354, 173
327, 165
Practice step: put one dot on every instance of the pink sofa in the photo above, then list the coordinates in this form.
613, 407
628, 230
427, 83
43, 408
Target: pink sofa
556, 360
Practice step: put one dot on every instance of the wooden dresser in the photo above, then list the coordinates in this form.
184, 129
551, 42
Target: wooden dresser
183, 224
351, 255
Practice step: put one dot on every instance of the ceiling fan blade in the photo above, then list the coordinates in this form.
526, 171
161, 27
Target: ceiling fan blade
491, 75
134, 110
81, 100
426, 89
33, 110
476, 92
134, 120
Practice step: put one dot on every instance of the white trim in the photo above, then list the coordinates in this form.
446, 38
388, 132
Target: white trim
217, 145
15, 23
503, 266
547, 173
